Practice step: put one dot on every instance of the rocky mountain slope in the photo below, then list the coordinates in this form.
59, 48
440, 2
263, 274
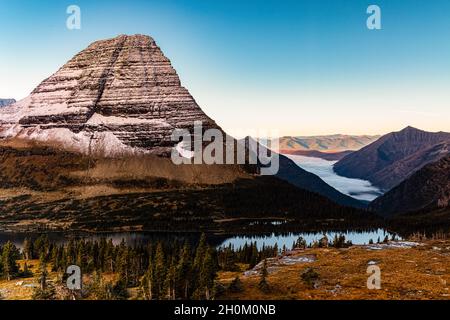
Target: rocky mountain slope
329, 143
427, 189
394, 157
6, 102
117, 96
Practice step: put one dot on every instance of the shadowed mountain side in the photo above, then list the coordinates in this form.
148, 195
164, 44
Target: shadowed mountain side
427, 189
45, 189
394, 157
431, 223
40, 167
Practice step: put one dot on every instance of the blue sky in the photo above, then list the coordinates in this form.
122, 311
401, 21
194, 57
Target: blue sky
299, 67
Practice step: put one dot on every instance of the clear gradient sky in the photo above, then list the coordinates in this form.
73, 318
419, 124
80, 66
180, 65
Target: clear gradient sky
301, 67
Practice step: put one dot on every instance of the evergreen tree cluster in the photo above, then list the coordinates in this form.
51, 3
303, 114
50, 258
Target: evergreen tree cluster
159, 270
229, 257
180, 272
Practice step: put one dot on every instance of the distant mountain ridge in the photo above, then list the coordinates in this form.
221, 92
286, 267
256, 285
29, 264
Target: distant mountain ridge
325, 143
6, 102
426, 189
330, 156
394, 157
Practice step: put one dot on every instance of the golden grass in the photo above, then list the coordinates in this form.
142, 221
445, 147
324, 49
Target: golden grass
416, 273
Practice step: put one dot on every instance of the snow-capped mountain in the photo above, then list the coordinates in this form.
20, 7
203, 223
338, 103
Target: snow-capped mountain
119, 95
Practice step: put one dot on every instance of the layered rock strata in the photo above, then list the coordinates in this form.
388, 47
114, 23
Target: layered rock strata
118, 95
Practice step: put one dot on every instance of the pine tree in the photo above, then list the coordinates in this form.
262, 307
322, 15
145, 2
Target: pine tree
263, 285
235, 285
184, 272
200, 252
109, 256
27, 249
150, 280
169, 283
43, 292
208, 274
159, 271
41, 246
8, 260
254, 255
123, 265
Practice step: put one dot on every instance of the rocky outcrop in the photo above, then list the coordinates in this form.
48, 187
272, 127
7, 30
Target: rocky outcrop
6, 102
395, 156
120, 95
427, 189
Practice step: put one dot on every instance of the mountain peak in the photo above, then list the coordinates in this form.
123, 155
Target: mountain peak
411, 129
394, 156
134, 39
122, 93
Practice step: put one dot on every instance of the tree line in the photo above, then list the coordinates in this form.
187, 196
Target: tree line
158, 270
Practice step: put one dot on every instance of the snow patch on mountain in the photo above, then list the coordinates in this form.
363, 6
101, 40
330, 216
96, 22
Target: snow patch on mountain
89, 143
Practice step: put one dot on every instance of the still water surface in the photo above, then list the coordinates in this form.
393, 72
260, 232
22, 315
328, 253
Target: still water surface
142, 238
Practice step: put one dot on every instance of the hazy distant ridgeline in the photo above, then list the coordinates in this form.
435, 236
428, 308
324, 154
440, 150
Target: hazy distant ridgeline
329, 156
6, 102
327, 143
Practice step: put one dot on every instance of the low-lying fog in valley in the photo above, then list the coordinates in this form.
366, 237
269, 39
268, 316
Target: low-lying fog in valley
356, 188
